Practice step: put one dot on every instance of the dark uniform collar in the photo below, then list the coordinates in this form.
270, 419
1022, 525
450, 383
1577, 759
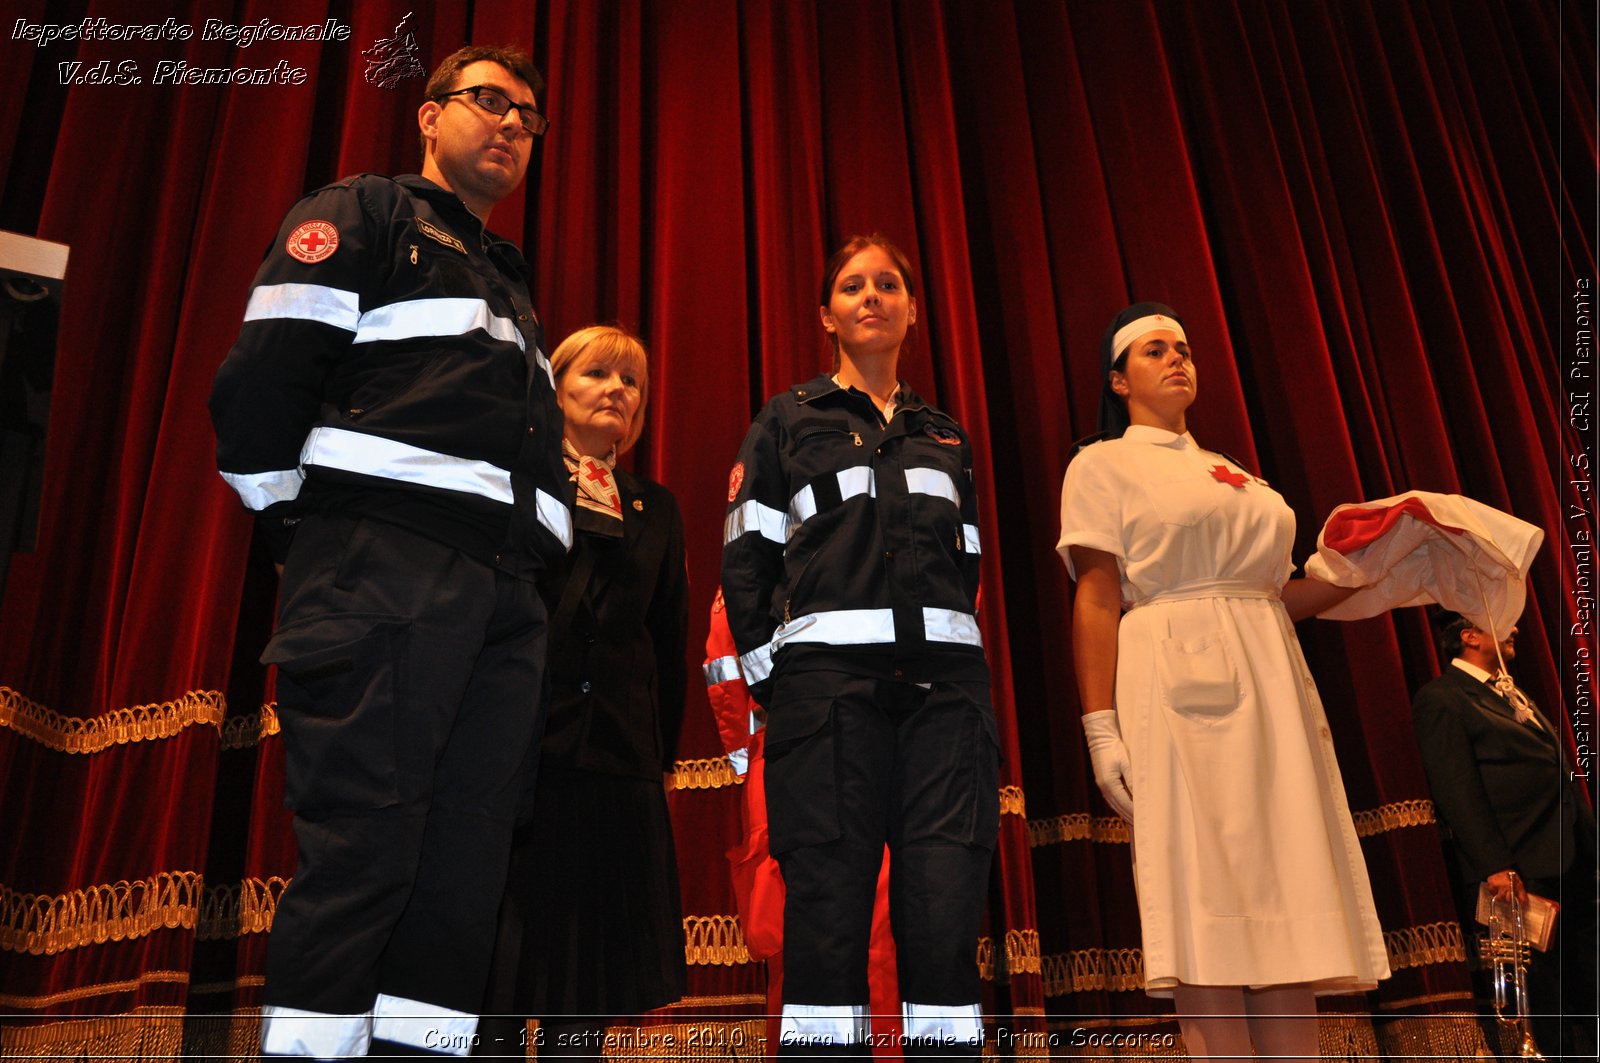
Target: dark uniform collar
452, 209
820, 387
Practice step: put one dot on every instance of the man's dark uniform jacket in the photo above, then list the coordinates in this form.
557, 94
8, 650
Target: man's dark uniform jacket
1499, 786
1503, 793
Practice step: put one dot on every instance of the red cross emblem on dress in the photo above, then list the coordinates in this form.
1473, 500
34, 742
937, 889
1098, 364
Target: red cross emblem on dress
1225, 475
312, 241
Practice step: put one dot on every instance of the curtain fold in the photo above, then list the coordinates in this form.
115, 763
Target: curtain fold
1376, 218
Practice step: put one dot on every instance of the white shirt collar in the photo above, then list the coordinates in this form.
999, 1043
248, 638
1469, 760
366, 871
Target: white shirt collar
1473, 670
1145, 433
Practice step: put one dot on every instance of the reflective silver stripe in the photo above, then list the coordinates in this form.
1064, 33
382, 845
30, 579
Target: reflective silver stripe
962, 1023
947, 625
757, 664
422, 1025
544, 363
722, 669
752, 516
261, 489
969, 539
934, 482
838, 627
415, 318
739, 760
305, 302
856, 480
292, 1032
859, 627
340, 448
554, 515
839, 1024
803, 506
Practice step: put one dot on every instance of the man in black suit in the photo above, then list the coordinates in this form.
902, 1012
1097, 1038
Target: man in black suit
1516, 820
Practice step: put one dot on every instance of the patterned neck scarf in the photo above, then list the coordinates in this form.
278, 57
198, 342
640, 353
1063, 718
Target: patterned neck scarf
597, 484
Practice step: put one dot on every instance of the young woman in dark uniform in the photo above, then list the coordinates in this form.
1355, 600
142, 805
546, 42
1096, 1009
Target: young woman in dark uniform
850, 575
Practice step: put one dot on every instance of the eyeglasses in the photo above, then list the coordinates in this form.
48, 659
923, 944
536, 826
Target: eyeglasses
495, 102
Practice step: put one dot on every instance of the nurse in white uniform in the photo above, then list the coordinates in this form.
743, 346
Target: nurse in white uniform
1204, 725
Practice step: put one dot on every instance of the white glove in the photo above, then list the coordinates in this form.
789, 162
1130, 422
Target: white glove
1109, 756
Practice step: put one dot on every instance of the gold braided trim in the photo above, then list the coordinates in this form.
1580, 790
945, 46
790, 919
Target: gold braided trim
235, 910
246, 732
105, 989
713, 941
1448, 1036
1012, 802
143, 1033
1021, 956
1077, 827
1109, 1022
1093, 970
1455, 996
986, 958
41, 925
1418, 946
91, 734
729, 1000
232, 985
1022, 952
745, 1039
704, 773
1416, 812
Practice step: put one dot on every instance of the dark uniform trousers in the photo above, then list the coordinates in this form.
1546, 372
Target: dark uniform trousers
1562, 991
408, 693
854, 762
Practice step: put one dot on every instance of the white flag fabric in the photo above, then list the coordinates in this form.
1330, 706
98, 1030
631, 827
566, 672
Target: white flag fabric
1422, 547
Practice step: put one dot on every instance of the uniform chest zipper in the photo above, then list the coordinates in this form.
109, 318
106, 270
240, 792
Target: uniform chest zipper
413, 254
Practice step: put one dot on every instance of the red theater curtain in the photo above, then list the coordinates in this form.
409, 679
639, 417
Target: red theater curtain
1376, 218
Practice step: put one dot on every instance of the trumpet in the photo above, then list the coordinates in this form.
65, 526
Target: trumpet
1504, 948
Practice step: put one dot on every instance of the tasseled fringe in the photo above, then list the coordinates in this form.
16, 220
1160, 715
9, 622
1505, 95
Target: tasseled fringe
1351, 1037
1433, 1037
740, 1040
166, 1033
143, 1033
1130, 1038
231, 1037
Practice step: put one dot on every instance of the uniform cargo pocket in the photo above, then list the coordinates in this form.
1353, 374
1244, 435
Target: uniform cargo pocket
986, 782
802, 774
339, 678
1197, 675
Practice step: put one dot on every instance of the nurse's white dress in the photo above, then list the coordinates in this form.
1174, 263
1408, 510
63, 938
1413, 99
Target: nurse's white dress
1247, 864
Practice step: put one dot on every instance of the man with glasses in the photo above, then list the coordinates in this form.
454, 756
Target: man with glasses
389, 416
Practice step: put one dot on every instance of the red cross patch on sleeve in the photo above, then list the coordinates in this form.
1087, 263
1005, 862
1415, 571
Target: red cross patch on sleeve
312, 241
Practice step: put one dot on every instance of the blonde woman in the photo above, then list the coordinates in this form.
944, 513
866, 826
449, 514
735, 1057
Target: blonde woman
592, 926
